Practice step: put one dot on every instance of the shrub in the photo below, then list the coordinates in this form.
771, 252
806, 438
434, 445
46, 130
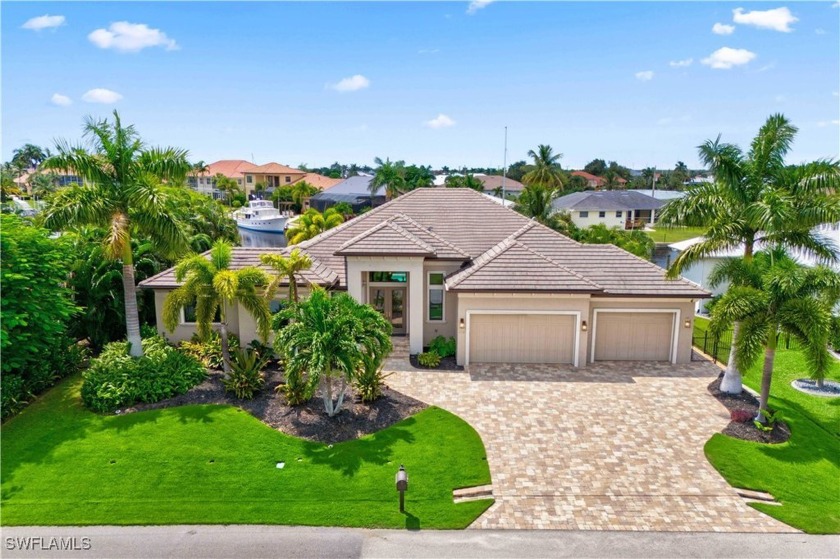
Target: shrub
209, 351
429, 359
246, 377
369, 379
297, 389
740, 416
115, 379
445, 347
265, 351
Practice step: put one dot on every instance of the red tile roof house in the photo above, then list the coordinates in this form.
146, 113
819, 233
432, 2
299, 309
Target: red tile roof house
507, 288
247, 175
594, 181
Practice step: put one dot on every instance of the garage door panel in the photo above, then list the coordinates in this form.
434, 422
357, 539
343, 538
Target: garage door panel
521, 338
633, 336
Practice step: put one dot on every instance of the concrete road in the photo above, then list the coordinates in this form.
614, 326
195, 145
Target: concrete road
284, 541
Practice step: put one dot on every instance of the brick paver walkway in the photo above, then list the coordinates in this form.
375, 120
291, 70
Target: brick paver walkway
614, 446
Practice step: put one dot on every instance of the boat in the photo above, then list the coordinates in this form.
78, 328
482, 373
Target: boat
261, 215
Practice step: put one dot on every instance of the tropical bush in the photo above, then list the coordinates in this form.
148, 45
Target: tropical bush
445, 347
209, 351
429, 359
246, 377
36, 312
115, 379
635, 242
370, 379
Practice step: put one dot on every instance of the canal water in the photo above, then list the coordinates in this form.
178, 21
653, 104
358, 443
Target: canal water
261, 239
663, 256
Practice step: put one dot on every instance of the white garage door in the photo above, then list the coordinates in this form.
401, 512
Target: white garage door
521, 338
633, 336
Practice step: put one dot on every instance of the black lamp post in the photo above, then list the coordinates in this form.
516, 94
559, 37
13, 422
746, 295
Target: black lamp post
402, 486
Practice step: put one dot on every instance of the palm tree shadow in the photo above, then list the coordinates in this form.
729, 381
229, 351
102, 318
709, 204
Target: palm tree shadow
349, 456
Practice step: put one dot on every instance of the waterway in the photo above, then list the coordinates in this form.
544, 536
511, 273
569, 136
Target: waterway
261, 239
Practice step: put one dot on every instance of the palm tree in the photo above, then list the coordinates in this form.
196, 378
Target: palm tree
199, 168
389, 174
611, 180
546, 170
771, 294
301, 191
467, 180
123, 194
287, 268
328, 338
535, 202
757, 200
227, 185
213, 288
312, 223
30, 155
43, 184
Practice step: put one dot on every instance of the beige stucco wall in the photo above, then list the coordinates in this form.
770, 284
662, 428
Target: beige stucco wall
185, 331
610, 220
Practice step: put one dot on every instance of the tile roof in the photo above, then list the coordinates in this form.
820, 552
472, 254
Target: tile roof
491, 182
353, 185
319, 181
387, 238
231, 168
607, 200
275, 168
318, 274
595, 178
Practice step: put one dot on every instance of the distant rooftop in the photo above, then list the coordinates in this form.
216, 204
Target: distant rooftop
591, 200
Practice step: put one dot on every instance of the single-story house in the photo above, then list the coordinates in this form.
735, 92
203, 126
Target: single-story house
594, 181
493, 183
625, 209
451, 262
353, 190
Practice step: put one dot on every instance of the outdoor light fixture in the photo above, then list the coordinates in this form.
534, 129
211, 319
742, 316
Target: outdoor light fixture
583, 326
402, 485
687, 323
461, 323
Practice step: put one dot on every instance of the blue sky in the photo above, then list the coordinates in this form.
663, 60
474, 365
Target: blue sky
632, 82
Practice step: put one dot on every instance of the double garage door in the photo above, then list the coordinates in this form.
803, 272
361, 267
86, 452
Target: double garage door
551, 338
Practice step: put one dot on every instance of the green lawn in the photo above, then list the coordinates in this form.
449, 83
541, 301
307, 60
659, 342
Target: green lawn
674, 234
211, 464
803, 473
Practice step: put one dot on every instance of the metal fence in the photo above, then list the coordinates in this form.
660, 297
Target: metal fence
717, 347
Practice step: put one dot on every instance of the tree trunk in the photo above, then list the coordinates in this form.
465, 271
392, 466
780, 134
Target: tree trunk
293, 296
328, 380
223, 336
820, 383
731, 383
341, 395
132, 318
324, 396
767, 375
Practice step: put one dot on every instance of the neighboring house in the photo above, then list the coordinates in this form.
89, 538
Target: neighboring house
231, 168
594, 181
353, 190
625, 209
63, 177
664, 195
493, 182
272, 175
451, 262
247, 174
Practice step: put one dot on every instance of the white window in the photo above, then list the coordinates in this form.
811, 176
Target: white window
617, 214
584, 214
436, 297
250, 179
188, 315
602, 214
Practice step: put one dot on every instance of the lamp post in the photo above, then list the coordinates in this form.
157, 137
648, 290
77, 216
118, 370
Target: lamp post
402, 485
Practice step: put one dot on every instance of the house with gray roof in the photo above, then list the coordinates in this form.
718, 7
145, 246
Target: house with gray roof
625, 209
352, 190
507, 288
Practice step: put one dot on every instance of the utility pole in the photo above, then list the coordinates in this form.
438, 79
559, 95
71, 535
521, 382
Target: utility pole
653, 192
504, 171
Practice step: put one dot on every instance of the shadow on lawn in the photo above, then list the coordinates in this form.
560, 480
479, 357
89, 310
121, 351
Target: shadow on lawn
374, 449
805, 432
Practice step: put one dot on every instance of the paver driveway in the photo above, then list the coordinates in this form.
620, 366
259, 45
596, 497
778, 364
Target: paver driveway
614, 446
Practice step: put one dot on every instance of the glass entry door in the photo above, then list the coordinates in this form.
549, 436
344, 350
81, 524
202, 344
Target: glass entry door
390, 301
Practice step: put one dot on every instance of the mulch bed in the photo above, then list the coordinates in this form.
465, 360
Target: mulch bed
747, 431
446, 364
307, 421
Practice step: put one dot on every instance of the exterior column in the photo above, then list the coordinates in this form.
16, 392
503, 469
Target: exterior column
416, 301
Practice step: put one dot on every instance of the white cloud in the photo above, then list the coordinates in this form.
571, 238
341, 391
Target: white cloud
645, 76
681, 63
824, 123
44, 22
778, 19
440, 121
725, 58
101, 95
476, 5
60, 100
353, 83
723, 29
130, 37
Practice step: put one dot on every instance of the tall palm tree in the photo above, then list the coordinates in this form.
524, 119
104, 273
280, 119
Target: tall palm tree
389, 174
301, 191
31, 155
611, 180
213, 288
771, 294
123, 193
287, 268
545, 170
43, 184
227, 185
328, 338
535, 202
757, 200
312, 223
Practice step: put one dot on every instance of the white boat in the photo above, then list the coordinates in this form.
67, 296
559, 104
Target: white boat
261, 215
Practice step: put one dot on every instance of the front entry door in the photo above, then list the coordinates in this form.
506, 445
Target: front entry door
390, 301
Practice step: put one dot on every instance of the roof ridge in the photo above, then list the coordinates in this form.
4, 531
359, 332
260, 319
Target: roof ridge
428, 231
390, 224
500, 248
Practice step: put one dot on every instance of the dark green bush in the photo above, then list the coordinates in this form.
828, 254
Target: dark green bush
298, 388
246, 377
429, 359
369, 379
115, 379
444, 347
209, 351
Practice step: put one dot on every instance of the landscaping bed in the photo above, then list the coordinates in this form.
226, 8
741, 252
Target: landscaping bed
307, 421
446, 364
746, 430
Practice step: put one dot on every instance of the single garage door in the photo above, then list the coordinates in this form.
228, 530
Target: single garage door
633, 336
522, 338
